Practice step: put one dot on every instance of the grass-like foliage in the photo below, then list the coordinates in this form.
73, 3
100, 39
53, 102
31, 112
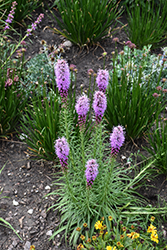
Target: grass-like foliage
40, 123
158, 140
12, 103
147, 23
132, 99
114, 235
86, 22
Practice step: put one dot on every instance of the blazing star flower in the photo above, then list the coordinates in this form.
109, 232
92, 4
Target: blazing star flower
117, 138
62, 73
10, 16
99, 105
62, 151
102, 79
91, 172
82, 108
34, 25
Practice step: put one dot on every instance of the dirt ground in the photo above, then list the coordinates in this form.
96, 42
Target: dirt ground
25, 180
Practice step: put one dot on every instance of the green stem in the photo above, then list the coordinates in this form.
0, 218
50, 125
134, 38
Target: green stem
69, 188
67, 136
14, 50
107, 179
82, 148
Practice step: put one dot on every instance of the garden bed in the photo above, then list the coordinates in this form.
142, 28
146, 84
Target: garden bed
26, 180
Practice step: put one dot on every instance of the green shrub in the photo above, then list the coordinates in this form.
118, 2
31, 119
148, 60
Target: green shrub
131, 98
147, 24
86, 22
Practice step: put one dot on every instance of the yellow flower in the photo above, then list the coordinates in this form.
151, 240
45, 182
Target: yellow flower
88, 240
154, 237
101, 232
98, 224
111, 248
135, 235
151, 229
82, 237
78, 229
123, 229
85, 224
32, 247
110, 218
122, 237
93, 237
152, 218
80, 246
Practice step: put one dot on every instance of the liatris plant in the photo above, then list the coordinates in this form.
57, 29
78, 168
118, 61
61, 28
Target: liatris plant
102, 80
28, 33
130, 99
120, 235
94, 185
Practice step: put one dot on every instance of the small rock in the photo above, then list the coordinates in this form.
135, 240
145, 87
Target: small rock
27, 245
28, 165
43, 213
30, 211
15, 203
47, 187
67, 44
49, 233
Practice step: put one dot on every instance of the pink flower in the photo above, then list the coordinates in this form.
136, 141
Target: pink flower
155, 95
158, 88
8, 82
34, 25
10, 16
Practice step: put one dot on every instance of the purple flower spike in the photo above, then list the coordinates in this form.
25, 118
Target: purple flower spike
10, 16
91, 172
102, 79
117, 139
82, 108
34, 25
62, 73
99, 105
62, 151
